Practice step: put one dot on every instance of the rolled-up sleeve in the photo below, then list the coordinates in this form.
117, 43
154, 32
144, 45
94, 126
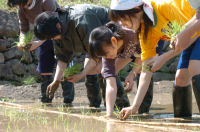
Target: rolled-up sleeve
108, 67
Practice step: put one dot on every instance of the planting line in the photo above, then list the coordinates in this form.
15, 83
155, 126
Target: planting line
151, 125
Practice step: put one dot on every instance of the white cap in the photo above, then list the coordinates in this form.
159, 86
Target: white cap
130, 4
125, 4
195, 4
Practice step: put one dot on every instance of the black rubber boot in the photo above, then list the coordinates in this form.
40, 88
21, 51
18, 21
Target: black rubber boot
182, 101
68, 92
146, 103
196, 89
46, 80
93, 91
122, 98
102, 85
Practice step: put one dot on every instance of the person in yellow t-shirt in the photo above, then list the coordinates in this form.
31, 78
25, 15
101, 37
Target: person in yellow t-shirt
183, 38
150, 17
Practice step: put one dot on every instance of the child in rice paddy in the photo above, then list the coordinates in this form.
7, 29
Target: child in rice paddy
117, 47
70, 28
28, 10
149, 17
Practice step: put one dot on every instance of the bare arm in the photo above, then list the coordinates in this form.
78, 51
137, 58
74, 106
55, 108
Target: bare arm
59, 70
145, 78
89, 68
120, 63
185, 37
111, 93
36, 44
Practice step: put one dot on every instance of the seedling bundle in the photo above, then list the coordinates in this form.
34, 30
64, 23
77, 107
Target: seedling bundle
75, 69
173, 28
27, 39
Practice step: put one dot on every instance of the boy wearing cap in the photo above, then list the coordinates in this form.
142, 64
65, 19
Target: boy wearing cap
28, 10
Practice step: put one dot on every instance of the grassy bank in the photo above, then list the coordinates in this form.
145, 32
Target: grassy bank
3, 3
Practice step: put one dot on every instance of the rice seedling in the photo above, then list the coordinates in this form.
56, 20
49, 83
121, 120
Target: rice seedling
116, 113
172, 29
66, 125
9, 127
27, 38
68, 110
75, 69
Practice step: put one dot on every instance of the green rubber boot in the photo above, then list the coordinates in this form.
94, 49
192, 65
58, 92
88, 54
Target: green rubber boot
182, 101
93, 91
196, 89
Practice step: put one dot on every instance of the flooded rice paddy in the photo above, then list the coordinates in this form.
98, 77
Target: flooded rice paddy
23, 116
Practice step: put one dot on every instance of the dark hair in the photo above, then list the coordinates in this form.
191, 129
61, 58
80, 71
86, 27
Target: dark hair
115, 15
12, 3
101, 36
42, 23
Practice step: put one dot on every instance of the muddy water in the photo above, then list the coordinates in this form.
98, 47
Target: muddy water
23, 121
80, 118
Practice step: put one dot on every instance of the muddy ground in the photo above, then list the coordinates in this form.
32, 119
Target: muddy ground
162, 94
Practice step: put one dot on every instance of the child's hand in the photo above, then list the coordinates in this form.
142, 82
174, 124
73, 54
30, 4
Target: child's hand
125, 112
74, 78
172, 45
51, 89
27, 47
157, 63
129, 81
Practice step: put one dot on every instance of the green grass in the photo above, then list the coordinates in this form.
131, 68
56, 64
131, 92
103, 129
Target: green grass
29, 81
4, 6
106, 3
24, 81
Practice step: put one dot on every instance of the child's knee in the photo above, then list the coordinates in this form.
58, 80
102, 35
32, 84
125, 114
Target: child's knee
182, 79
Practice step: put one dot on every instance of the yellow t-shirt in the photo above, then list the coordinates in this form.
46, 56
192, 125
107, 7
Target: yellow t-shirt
166, 11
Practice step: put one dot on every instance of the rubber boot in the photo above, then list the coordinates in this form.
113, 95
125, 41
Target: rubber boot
102, 85
196, 89
146, 103
122, 98
68, 92
93, 91
182, 101
46, 80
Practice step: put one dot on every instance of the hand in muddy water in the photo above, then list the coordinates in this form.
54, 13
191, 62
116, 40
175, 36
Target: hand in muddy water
126, 112
51, 89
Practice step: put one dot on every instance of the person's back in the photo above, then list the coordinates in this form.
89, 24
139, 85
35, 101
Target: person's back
77, 24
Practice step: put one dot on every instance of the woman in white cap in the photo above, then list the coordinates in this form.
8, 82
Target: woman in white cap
149, 17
